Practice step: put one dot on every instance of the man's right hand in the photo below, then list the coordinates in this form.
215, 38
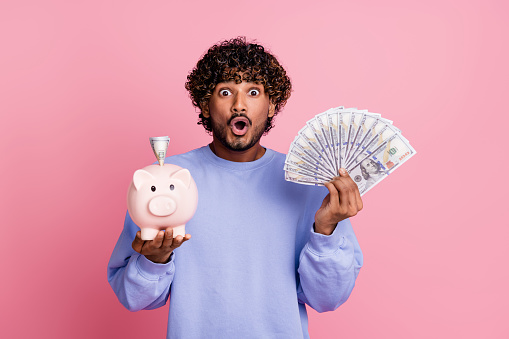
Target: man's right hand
159, 250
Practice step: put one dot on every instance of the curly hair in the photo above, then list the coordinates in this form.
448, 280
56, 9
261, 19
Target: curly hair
237, 60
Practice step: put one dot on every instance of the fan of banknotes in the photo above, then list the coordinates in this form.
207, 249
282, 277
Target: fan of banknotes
367, 145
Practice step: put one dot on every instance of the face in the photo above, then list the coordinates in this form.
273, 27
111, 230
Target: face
370, 166
238, 114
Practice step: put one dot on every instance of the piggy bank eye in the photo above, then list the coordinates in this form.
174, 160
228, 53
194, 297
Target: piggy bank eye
172, 187
153, 188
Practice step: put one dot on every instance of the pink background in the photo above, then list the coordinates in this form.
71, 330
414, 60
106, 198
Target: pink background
83, 84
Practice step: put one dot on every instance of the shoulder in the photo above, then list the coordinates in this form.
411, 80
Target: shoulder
186, 159
277, 158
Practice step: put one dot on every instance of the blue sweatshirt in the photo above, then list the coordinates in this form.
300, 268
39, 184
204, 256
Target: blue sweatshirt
253, 259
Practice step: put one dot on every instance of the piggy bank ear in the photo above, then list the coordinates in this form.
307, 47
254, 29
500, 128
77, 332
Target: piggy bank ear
141, 176
182, 175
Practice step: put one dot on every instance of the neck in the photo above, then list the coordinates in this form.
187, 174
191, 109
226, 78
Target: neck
251, 154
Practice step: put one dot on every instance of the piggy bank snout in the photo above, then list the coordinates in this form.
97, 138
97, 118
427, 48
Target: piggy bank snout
162, 206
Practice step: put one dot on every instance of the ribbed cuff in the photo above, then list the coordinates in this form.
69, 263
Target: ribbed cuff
323, 245
153, 271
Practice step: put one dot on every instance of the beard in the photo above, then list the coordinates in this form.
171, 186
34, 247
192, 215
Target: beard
237, 144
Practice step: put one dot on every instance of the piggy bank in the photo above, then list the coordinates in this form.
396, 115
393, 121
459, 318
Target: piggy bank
161, 197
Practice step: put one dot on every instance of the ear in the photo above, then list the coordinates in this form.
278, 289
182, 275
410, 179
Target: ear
272, 109
140, 177
183, 175
205, 110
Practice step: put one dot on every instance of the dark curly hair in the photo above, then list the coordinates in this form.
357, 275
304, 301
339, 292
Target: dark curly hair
237, 60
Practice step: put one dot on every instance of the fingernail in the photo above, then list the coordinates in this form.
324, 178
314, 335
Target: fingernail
342, 171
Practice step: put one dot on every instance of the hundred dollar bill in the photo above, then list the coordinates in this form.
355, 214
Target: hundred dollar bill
308, 136
335, 130
364, 143
376, 115
293, 159
365, 123
320, 136
306, 148
353, 126
323, 122
348, 120
303, 150
371, 168
343, 117
380, 133
160, 147
347, 116
301, 179
369, 126
307, 173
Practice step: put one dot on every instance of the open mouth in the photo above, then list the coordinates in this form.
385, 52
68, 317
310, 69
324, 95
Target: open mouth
239, 125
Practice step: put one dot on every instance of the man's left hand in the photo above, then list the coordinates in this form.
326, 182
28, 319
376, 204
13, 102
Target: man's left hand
343, 201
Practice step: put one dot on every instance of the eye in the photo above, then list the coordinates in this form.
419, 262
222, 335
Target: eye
153, 188
254, 92
224, 92
172, 187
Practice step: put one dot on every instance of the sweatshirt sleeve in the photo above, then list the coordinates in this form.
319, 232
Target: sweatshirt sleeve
328, 267
138, 282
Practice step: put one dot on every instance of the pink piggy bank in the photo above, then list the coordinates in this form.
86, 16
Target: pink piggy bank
161, 197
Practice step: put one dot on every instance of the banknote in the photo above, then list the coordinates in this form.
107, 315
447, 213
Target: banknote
374, 167
365, 122
316, 129
307, 172
302, 179
304, 151
377, 132
306, 163
369, 146
336, 134
308, 137
377, 137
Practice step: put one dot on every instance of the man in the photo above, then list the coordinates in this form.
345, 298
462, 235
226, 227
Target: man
261, 246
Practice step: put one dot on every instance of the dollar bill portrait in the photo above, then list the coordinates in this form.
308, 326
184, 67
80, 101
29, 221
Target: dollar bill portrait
371, 172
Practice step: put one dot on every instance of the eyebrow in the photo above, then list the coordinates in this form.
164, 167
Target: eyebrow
222, 85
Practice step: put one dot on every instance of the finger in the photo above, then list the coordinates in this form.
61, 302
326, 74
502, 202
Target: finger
344, 192
343, 172
353, 200
353, 192
354, 197
332, 196
352, 187
177, 241
158, 240
168, 238
186, 238
137, 242
358, 198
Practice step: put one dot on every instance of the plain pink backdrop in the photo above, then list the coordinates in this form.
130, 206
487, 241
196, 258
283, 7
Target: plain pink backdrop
84, 84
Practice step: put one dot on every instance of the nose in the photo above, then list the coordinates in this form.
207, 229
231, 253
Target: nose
239, 103
162, 206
